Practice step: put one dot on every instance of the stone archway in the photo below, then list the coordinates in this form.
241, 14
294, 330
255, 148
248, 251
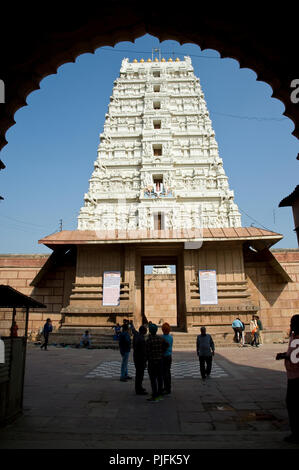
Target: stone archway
36, 43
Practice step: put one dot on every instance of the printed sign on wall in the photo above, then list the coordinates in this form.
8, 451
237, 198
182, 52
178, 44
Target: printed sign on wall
111, 288
208, 287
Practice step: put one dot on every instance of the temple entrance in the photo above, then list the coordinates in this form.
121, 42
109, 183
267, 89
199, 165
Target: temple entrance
160, 299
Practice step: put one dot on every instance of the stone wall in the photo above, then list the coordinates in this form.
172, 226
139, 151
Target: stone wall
277, 300
18, 271
160, 300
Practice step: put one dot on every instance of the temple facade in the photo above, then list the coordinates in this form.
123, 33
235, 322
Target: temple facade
159, 196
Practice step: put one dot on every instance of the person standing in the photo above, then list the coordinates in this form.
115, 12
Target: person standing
167, 359
124, 348
117, 330
242, 332
260, 330
205, 351
237, 327
155, 349
254, 331
291, 358
48, 328
139, 357
14, 330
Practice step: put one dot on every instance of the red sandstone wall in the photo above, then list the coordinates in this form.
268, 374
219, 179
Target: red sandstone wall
160, 301
18, 271
278, 301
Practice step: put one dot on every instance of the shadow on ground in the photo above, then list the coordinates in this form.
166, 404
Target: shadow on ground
241, 407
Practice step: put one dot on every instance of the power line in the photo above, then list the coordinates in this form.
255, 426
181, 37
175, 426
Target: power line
249, 117
203, 57
22, 222
172, 53
256, 221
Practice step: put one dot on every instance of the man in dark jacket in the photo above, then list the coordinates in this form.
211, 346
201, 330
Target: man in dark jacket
46, 331
155, 349
205, 351
124, 348
139, 356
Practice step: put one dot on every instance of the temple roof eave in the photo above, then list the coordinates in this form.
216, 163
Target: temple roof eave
259, 237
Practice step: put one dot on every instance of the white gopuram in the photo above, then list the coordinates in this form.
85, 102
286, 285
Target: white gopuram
158, 164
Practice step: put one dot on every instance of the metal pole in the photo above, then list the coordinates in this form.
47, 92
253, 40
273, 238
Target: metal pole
24, 355
13, 320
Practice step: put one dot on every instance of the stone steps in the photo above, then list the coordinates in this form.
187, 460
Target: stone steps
103, 338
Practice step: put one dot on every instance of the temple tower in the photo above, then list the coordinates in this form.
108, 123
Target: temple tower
158, 165
159, 196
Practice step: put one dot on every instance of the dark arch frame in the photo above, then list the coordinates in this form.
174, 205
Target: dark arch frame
37, 42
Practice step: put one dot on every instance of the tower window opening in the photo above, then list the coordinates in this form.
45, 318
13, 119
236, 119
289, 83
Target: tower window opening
157, 105
158, 184
157, 88
159, 220
156, 74
157, 124
157, 149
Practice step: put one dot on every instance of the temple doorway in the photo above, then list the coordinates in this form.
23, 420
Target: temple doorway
159, 291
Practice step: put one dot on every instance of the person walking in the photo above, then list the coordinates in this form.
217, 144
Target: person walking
237, 327
139, 357
48, 328
167, 359
260, 330
124, 348
291, 358
254, 331
205, 351
155, 349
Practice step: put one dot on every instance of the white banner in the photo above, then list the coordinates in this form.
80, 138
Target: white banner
208, 287
111, 288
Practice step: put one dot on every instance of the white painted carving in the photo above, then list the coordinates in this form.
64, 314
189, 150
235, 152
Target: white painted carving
193, 190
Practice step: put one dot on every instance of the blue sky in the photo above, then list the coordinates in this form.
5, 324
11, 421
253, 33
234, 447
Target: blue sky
53, 145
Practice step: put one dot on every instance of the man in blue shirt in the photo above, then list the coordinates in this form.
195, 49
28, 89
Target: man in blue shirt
205, 350
167, 360
237, 326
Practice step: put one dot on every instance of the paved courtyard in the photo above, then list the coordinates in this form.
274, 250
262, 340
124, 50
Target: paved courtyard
74, 399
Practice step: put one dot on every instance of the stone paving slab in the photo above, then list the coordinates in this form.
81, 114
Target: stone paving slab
63, 408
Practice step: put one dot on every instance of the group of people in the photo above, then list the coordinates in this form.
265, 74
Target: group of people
255, 328
155, 353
